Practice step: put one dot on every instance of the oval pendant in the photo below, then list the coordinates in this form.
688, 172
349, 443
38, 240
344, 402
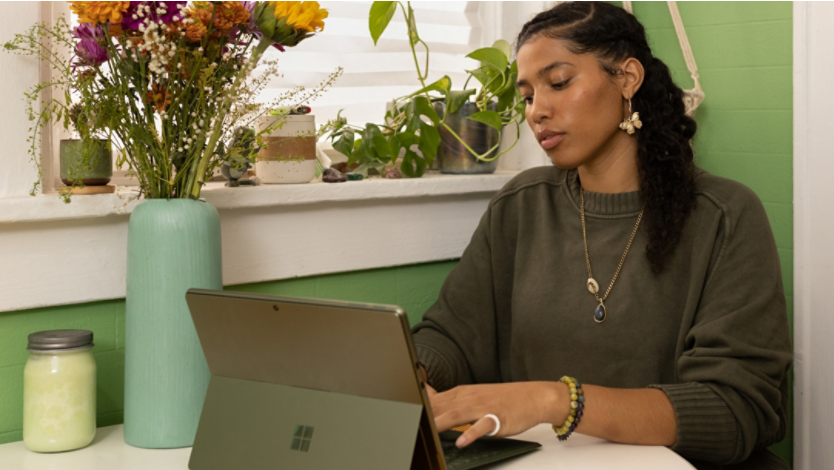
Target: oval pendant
593, 287
600, 313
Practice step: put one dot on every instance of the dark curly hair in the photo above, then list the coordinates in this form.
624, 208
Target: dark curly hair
664, 154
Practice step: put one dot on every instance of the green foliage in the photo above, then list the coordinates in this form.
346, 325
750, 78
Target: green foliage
411, 128
381, 14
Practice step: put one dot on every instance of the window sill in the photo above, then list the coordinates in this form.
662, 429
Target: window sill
50, 208
269, 232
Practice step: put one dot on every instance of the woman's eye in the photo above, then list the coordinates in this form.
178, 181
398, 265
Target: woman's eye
528, 99
560, 85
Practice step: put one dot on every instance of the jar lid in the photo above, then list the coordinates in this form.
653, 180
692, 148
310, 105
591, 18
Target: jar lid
60, 339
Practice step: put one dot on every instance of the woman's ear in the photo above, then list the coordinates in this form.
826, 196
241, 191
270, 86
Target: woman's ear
633, 74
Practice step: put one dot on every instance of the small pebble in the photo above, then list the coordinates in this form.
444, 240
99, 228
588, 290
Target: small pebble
332, 175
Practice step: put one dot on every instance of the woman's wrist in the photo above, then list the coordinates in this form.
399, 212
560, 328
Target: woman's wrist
557, 403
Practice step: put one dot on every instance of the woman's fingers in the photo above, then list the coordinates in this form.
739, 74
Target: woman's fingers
430, 391
484, 426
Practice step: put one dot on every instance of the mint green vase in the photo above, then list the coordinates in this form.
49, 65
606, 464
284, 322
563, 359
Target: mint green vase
172, 246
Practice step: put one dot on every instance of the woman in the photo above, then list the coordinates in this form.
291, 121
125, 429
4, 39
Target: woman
680, 341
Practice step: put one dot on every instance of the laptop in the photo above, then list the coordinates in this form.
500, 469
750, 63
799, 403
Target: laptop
309, 384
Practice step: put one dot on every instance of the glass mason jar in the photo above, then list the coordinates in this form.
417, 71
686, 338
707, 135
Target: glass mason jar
59, 391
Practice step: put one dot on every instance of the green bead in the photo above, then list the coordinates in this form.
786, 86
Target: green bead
573, 405
570, 418
573, 397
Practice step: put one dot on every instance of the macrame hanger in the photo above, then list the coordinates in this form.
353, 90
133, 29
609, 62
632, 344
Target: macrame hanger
694, 97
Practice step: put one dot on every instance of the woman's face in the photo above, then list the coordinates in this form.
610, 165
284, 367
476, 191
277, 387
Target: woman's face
574, 107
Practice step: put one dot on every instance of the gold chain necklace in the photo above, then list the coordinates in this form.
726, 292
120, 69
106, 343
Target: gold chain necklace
593, 287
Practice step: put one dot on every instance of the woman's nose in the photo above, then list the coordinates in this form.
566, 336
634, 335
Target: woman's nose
539, 110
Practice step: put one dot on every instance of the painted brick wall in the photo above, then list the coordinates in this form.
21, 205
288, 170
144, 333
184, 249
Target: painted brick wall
744, 52
415, 288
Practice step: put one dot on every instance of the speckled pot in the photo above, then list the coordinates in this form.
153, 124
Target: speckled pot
87, 160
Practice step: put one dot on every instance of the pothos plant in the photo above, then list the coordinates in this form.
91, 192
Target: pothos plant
410, 130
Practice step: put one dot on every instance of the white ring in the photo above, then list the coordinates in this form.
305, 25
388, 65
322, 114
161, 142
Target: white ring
497, 424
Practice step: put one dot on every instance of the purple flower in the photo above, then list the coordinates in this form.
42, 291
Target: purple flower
253, 28
88, 31
140, 13
90, 53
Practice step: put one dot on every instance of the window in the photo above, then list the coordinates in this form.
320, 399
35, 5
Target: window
374, 75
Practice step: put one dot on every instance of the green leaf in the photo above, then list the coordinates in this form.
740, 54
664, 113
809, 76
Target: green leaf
443, 85
380, 16
407, 139
507, 99
359, 154
420, 106
504, 47
491, 56
490, 118
373, 136
413, 165
481, 75
345, 143
429, 141
457, 98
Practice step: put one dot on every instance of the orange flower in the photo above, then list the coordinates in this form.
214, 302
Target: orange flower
115, 30
99, 12
195, 32
226, 16
234, 12
158, 97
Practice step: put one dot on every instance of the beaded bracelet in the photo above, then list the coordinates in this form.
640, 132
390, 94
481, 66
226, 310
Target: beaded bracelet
577, 404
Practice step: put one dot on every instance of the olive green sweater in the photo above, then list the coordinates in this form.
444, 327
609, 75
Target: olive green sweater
711, 330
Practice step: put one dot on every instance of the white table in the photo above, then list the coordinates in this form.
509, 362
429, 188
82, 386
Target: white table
109, 452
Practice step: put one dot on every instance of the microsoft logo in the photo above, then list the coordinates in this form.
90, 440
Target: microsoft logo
301, 438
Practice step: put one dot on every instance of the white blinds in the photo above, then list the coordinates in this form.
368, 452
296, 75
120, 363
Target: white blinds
374, 75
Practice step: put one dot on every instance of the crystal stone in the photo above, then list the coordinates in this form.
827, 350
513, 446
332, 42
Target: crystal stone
599, 314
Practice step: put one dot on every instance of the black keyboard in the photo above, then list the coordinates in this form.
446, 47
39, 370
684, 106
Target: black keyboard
485, 450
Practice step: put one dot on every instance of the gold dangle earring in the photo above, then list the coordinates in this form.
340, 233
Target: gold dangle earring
630, 123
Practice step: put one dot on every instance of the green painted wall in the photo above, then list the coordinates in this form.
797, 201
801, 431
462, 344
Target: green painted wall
414, 288
744, 52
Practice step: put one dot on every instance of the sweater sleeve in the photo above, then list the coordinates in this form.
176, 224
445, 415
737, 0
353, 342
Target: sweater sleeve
456, 341
731, 398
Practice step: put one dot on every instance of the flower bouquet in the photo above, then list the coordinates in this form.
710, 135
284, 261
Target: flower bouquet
169, 82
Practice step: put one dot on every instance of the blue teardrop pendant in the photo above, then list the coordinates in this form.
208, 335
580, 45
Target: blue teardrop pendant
600, 313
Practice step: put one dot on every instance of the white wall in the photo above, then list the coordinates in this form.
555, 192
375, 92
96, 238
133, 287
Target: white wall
17, 172
813, 235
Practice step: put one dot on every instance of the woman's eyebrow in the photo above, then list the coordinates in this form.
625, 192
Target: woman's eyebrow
552, 66
544, 70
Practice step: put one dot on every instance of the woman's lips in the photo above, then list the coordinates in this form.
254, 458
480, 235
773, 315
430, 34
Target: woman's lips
551, 140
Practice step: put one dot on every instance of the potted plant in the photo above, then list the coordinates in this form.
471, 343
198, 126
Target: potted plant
437, 121
85, 161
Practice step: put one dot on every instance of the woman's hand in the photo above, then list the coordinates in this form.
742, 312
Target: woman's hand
519, 406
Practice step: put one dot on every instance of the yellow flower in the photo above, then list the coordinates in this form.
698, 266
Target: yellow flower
306, 16
99, 12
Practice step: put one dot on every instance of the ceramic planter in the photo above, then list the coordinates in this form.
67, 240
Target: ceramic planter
89, 161
290, 156
452, 156
172, 246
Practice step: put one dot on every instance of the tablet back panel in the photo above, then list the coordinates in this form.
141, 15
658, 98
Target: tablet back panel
344, 373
